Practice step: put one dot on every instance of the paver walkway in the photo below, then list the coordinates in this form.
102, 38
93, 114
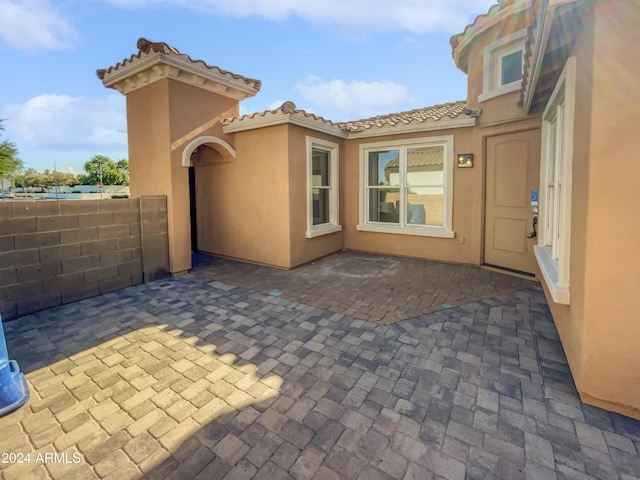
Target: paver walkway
196, 378
379, 288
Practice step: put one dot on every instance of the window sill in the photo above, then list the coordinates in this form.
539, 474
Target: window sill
503, 90
419, 231
549, 268
319, 230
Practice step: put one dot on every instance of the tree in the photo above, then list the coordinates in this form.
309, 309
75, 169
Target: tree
47, 179
111, 173
10, 162
33, 179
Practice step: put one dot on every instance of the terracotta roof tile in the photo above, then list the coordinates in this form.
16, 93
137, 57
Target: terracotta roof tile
146, 47
419, 115
287, 108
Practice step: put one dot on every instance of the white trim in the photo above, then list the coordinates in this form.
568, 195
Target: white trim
447, 141
549, 269
334, 197
319, 230
557, 272
227, 151
492, 67
412, 230
497, 92
269, 119
317, 125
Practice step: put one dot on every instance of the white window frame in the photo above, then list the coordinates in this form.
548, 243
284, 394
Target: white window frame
334, 188
492, 68
446, 231
554, 238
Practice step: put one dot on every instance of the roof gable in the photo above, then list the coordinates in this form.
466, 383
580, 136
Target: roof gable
157, 60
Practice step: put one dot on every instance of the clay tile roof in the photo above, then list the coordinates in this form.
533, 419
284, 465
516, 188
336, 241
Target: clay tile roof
146, 47
419, 115
435, 113
287, 108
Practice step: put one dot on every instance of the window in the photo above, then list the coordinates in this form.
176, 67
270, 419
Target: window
511, 68
553, 249
407, 187
503, 62
322, 173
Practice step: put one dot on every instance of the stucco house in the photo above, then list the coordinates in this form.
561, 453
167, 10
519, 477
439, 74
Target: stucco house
534, 173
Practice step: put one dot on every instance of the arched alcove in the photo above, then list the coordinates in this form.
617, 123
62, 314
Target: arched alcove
200, 156
226, 151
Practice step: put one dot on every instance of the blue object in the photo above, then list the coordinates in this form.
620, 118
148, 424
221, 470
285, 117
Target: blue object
14, 391
275, 293
534, 197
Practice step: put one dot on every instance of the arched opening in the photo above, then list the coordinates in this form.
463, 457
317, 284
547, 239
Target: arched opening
226, 151
202, 156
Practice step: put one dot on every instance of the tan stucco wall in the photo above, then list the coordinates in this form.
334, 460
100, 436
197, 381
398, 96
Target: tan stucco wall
611, 328
305, 249
243, 207
467, 206
504, 107
162, 118
194, 113
569, 319
600, 328
149, 151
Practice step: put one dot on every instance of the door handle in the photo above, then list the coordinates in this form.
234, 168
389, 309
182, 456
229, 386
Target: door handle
534, 223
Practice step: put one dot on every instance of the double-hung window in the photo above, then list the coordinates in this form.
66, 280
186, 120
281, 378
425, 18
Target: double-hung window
322, 187
553, 249
407, 186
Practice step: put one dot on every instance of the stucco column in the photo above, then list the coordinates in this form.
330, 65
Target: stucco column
171, 100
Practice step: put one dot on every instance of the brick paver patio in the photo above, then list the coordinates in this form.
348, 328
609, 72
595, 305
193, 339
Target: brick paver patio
379, 288
194, 377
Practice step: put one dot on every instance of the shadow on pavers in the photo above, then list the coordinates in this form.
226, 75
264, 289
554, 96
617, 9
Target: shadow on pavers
267, 388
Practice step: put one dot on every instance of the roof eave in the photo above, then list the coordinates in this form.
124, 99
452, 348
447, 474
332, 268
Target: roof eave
148, 68
541, 39
269, 118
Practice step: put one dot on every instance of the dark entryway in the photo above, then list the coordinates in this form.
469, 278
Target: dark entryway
193, 210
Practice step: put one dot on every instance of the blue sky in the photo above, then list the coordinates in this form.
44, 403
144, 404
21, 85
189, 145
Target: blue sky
342, 60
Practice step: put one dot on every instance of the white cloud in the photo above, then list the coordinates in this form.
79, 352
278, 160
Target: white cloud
417, 16
65, 122
32, 25
356, 99
275, 105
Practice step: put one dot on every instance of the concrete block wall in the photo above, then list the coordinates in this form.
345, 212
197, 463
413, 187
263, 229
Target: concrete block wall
56, 252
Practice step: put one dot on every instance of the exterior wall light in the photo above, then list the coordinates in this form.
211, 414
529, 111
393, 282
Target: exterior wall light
465, 160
